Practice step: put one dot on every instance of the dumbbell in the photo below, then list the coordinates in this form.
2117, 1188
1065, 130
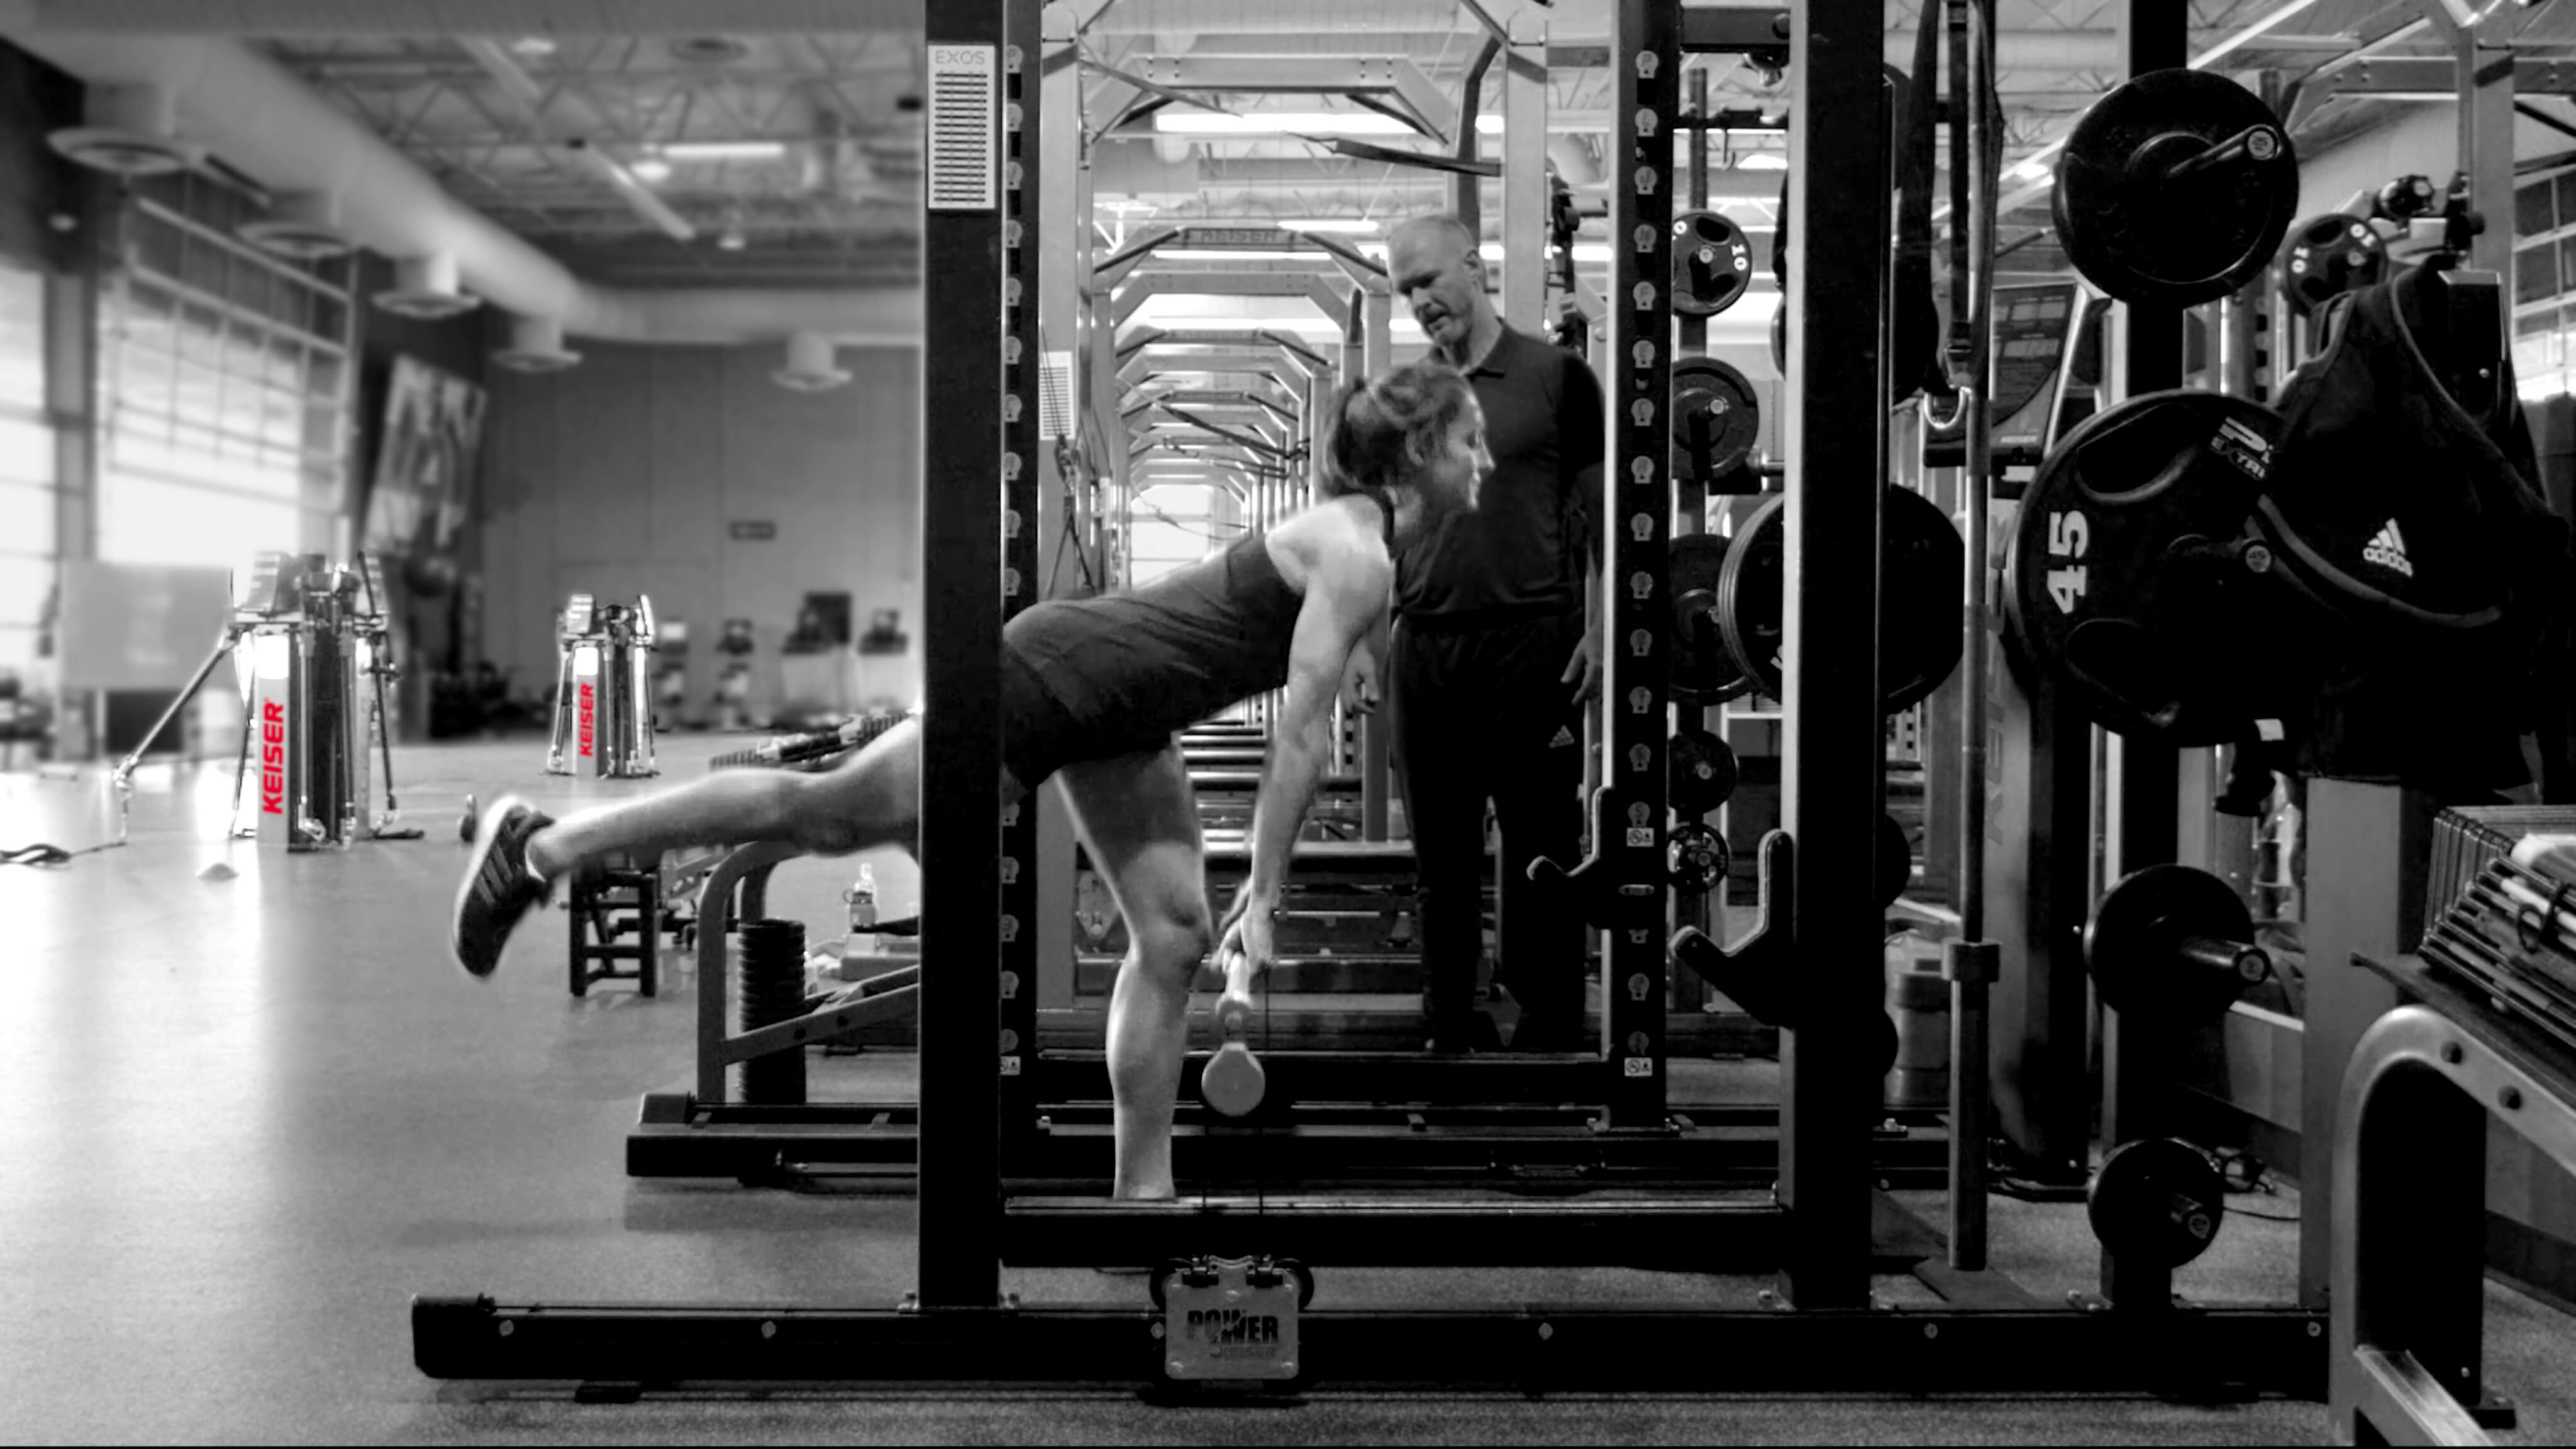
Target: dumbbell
2174, 945
1233, 1081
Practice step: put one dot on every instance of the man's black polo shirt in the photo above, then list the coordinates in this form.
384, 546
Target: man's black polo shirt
1521, 552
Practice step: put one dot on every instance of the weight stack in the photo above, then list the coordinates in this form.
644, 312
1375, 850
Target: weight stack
769, 987
2467, 838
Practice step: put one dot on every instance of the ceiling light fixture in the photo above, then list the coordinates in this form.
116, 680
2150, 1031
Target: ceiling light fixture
731, 238
724, 150
533, 45
650, 169
1334, 225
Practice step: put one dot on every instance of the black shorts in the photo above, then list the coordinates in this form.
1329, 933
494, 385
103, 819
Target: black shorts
1041, 732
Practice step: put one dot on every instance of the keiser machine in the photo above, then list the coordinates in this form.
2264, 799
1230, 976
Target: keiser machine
313, 677
604, 691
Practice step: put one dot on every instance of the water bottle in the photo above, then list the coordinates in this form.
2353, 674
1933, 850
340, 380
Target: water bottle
862, 942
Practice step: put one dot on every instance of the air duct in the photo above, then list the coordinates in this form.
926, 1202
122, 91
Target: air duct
266, 124
133, 131
425, 289
303, 226
536, 346
285, 18
809, 364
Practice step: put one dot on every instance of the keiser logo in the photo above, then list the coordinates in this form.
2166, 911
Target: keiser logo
272, 758
586, 717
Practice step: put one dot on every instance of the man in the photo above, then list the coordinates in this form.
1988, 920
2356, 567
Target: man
1092, 692
1496, 650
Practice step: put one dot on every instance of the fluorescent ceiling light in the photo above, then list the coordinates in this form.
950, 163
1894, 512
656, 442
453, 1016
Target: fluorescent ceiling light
1762, 161
1341, 227
650, 168
2030, 170
1190, 121
533, 45
724, 150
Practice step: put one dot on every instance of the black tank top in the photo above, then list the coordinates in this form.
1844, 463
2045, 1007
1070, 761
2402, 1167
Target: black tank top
1177, 649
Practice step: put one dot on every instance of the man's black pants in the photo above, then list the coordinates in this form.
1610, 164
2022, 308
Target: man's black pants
1485, 713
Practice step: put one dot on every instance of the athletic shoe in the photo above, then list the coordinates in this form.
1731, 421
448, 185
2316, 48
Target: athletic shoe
499, 887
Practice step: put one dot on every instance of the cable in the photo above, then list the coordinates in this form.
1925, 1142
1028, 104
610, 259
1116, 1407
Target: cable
42, 854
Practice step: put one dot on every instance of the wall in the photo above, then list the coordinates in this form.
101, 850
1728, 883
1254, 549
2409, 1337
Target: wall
622, 475
436, 632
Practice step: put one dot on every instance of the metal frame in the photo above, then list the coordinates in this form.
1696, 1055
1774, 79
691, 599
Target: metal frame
2409, 1239
1829, 1228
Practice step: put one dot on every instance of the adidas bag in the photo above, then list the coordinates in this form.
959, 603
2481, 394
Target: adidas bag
2433, 558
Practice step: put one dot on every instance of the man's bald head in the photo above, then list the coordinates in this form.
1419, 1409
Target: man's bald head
1431, 263
1438, 228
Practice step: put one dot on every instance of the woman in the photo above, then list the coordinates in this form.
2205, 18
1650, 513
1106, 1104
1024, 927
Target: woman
1093, 691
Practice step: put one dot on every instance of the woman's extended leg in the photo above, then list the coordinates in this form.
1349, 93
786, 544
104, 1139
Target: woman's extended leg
871, 799
1141, 826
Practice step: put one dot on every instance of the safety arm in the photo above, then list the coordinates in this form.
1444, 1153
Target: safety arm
1339, 607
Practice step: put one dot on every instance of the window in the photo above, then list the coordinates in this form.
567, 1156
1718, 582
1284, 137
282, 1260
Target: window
28, 547
2544, 277
1177, 524
225, 379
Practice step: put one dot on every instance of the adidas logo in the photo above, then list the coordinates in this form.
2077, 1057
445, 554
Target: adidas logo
2388, 550
1564, 737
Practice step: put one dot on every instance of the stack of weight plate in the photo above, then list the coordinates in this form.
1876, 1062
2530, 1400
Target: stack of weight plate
2467, 837
2512, 936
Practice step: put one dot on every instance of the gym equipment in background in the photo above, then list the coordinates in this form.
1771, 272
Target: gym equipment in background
314, 700
603, 691
733, 683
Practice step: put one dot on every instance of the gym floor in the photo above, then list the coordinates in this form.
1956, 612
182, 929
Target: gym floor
250, 1114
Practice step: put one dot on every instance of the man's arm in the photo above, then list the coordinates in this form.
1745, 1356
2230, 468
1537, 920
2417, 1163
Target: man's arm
1345, 592
1582, 442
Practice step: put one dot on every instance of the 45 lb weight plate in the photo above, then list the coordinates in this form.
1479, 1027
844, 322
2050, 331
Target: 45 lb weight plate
2134, 579
1922, 571
2175, 189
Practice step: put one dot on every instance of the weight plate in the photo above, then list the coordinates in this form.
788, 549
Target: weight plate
1701, 769
2157, 1200
2328, 256
2133, 579
1921, 563
1702, 670
1895, 856
2146, 235
1712, 263
1717, 419
1695, 858
1780, 338
2132, 946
